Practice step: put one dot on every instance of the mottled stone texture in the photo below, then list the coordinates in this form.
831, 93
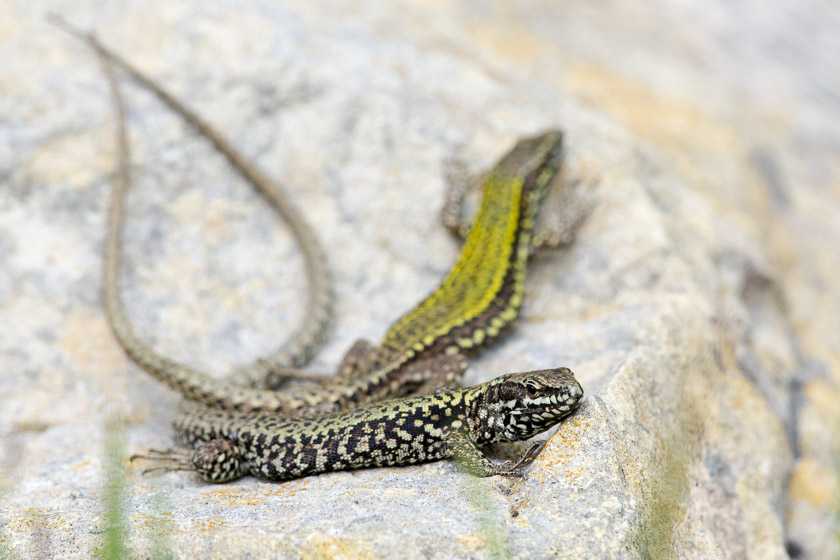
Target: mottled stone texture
698, 306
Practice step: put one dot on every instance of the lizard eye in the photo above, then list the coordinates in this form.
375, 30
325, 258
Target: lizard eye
532, 391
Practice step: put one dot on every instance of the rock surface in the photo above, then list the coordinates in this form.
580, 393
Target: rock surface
698, 305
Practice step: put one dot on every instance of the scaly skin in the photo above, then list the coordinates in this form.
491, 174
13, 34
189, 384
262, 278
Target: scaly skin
482, 295
448, 424
478, 301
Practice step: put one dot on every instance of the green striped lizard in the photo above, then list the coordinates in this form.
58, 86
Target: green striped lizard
477, 302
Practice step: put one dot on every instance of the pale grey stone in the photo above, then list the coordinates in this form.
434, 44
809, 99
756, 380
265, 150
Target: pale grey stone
698, 305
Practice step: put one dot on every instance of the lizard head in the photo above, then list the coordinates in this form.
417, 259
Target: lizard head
537, 161
520, 405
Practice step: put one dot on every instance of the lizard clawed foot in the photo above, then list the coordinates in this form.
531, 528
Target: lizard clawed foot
531, 454
217, 460
510, 469
174, 459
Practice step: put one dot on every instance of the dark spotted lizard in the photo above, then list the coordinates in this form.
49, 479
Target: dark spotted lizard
453, 424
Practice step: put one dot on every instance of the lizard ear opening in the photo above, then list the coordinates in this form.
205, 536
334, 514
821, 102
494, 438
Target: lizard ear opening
508, 391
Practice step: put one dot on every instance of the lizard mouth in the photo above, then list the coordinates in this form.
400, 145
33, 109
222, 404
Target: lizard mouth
557, 401
555, 405
543, 413
554, 408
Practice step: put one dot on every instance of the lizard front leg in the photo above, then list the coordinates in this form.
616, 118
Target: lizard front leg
217, 460
470, 457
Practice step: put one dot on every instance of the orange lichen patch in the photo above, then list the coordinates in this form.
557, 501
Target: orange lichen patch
163, 518
289, 489
30, 519
210, 524
231, 497
559, 449
141, 520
